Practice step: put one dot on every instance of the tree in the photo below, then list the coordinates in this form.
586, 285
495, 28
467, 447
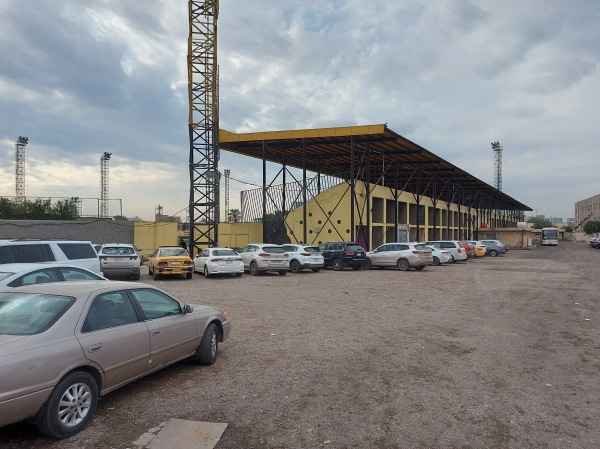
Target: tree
234, 216
591, 227
568, 229
539, 223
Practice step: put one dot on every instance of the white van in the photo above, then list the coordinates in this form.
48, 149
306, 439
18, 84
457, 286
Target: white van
71, 252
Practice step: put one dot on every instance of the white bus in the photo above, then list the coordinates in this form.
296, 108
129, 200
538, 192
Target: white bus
549, 237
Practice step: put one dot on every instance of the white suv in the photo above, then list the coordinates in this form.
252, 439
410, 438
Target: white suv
119, 259
70, 252
304, 256
402, 255
259, 257
454, 246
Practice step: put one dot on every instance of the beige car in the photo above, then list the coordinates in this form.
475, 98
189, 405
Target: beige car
402, 255
62, 345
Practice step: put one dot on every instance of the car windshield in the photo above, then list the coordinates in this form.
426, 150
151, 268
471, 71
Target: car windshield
355, 247
29, 313
422, 247
224, 252
312, 249
4, 275
273, 249
115, 250
173, 252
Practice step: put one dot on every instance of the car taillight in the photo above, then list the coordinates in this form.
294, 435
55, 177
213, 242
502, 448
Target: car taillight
306, 254
263, 255
162, 264
133, 257
216, 259
416, 252
239, 259
459, 250
349, 253
187, 262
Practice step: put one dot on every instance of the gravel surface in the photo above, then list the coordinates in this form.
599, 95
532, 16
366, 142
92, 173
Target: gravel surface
494, 352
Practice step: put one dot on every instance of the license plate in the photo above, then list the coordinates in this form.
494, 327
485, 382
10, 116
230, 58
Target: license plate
175, 263
229, 262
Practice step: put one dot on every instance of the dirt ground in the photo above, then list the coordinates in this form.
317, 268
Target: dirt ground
492, 353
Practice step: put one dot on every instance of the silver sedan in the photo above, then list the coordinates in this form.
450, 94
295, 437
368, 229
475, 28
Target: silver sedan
62, 345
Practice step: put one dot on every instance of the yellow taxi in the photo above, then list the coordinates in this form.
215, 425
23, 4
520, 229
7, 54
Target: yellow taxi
479, 248
169, 260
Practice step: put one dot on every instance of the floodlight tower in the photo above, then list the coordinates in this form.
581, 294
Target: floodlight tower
227, 176
104, 184
20, 145
203, 97
497, 165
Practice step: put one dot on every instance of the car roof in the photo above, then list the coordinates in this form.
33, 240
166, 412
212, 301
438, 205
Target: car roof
79, 288
117, 244
19, 267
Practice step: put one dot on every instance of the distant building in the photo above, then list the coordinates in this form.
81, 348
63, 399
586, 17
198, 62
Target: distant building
588, 209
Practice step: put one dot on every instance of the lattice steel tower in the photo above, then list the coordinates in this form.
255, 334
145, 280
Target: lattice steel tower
227, 176
497, 164
20, 145
203, 92
104, 184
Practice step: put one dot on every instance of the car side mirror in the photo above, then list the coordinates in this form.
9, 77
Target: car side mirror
187, 308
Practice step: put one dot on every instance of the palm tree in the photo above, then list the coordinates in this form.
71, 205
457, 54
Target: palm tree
234, 216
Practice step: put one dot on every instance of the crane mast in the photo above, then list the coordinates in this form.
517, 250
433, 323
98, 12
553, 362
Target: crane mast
203, 93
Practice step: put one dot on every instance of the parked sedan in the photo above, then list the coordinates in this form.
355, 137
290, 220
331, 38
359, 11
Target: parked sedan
170, 260
401, 255
440, 256
219, 261
304, 256
494, 247
64, 344
261, 257
19, 274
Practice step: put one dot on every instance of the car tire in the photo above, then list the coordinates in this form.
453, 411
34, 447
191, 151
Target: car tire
436, 261
403, 264
493, 253
337, 264
206, 354
70, 406
154, 275
206, 273
422, 267
189, 275
315, 270
368, 264
357, 267
295, 266
282, 272
238, 275
254, 271
136, 277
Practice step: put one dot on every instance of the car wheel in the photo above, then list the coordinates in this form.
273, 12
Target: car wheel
337, 264
295, 266
136, 277
154, 275
206, 354
70, 406
315, 270
238, 275
493, 253
254, 269
422, 267
282, 272
368, 264
436, 261
357, 267
206, 273
403, 265
189, 275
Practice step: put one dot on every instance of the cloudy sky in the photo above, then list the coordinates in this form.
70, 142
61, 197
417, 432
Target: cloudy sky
79, 78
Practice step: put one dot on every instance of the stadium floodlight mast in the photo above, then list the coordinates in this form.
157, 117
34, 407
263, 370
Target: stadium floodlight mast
497, 165
20, 145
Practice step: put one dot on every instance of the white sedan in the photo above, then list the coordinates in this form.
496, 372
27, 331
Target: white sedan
440, 256
219, 261
18, 274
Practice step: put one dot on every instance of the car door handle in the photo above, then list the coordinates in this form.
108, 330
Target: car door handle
95, 348
156, 332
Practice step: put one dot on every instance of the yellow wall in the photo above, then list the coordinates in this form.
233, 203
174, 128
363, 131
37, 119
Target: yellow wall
148, 235
237, 235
